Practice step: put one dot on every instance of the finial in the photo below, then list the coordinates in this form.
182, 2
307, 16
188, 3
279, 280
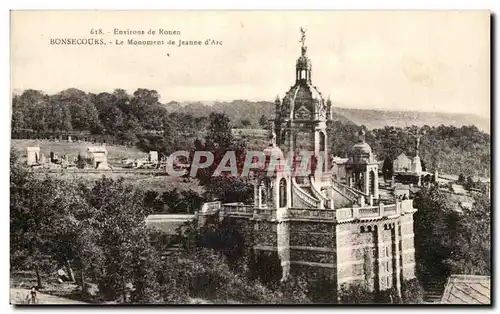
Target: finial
303, 41
272, 138
418, 145
303, 37
277, 98
362, 135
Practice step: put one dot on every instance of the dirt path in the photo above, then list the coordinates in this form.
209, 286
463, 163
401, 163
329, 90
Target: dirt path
18, 296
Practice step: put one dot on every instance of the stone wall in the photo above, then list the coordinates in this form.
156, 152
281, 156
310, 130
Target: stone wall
361, 252
265, 233
407, 247
315, 234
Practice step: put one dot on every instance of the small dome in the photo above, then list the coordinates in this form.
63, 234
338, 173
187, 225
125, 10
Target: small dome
303, 95
362, 148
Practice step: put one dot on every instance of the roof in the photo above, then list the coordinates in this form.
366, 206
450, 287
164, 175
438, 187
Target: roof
307, 93
168, 223
339, 160
467, 289
467, 205
400, 186
262, 133
362, 147
457, 188
97, 149
452, 177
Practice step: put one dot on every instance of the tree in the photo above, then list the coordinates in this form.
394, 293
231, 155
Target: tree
263, 121
58, 116
18, 114
245, 123
461, 178
32, 217
469, 183
229, 189
423, 164
80, 162
355, 294
219, 132
412, 292
84, 115
434, 226
110, 114
33, 105
447, 242
294, 290
118, 236
145, 265
387, 168
471, 246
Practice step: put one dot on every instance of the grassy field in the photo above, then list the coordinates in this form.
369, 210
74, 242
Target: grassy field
139, 180
115, 153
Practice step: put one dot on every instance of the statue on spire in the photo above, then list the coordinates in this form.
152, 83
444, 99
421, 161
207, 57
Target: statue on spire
272, 134
417, 145
303, 40
362, 135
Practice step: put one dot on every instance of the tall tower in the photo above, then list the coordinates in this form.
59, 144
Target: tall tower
312, 224
362, 168
302, 115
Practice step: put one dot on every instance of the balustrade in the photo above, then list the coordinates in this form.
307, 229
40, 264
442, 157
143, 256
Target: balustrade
210, 207
340, 214
369, 211
313, 213
390, 210
238, 209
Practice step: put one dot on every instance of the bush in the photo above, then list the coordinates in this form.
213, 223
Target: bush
412, 292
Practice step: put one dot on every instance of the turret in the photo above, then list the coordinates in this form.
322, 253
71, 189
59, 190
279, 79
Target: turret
303, 66
277, 106
328, 109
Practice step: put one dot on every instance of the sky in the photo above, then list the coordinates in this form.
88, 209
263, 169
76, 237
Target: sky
434, 61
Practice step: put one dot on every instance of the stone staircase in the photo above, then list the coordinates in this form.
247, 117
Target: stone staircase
350, 194
434, 289
305, 194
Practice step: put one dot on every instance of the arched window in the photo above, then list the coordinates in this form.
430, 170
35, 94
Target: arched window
322, 149
283, 193
284, 136
322, 142
265, 192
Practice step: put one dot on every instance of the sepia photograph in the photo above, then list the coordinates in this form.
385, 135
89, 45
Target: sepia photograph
250, 158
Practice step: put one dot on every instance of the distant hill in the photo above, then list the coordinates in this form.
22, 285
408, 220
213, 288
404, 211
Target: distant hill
374, 119
238, 110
